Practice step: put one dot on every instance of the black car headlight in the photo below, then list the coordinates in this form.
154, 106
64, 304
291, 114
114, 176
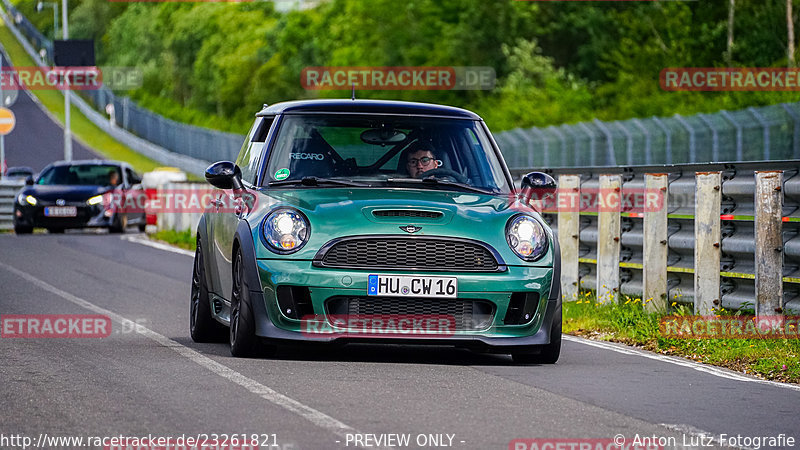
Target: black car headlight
286, 230
526, 237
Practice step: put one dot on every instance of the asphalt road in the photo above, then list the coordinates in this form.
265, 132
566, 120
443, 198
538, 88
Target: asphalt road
157, 382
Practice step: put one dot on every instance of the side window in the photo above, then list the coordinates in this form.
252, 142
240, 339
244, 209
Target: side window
250, 155
133, 177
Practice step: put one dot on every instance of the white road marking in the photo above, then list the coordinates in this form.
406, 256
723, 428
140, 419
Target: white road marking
711, 370
318, 418
158, 245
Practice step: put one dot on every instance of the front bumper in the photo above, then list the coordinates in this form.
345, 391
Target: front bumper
87, 216
325, 284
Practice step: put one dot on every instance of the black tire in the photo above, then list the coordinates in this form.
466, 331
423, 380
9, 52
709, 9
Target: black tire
243, 339
202, 327
55, 230
142, 227
119, 224
549, 353
18, 229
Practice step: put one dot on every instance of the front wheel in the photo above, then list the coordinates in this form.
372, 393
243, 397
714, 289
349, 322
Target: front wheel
202, 326
18, 229
120, 224
549, 353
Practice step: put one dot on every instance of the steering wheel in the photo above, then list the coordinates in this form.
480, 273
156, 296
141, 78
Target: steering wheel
452, 175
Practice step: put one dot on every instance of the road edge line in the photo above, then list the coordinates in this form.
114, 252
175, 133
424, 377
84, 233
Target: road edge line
158, 245
314, 416
711, 370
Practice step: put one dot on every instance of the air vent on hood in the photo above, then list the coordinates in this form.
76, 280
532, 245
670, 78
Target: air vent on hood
414, 213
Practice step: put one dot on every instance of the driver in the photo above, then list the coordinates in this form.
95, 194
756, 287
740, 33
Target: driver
113, 178
420, 161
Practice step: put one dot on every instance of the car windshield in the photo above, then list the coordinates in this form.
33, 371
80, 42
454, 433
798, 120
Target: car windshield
361, 150
82, 175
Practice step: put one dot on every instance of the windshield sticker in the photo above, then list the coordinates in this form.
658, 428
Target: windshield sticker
317, 156
282, 174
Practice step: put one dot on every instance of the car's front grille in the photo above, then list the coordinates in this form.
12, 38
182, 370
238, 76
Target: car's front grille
466, 314
421, 253
412, 213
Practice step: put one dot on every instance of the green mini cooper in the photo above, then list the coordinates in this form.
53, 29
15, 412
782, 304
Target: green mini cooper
375, 221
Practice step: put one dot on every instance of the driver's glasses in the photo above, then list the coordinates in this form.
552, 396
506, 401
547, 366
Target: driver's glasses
424, 160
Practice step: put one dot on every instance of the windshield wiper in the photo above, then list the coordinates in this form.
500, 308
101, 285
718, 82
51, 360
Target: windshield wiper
316, 181
436, 181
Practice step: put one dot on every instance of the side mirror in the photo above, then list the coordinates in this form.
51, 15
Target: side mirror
538, 180
29, 180
538, 184
225, 175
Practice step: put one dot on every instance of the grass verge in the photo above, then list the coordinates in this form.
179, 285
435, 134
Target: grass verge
627, 323
182, 239
82, 128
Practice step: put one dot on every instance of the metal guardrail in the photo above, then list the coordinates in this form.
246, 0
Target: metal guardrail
734, 217
8, 194
752, 134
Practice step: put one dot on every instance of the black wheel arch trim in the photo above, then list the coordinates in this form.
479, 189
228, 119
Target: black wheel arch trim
244, 240
202, 234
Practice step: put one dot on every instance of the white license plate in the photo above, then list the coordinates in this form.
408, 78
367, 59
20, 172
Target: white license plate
61, 211
412, 286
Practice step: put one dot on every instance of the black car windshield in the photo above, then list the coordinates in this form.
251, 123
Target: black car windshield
81, 175
436, 153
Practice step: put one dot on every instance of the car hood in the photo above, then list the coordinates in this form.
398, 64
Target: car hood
51, 193
335, 213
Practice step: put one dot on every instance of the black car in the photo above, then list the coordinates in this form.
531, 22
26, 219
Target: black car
81, 194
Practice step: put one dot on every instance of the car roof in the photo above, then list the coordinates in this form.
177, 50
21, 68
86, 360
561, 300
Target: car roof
367, 107
83, 162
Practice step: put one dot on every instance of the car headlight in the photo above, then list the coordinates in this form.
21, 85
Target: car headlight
23, 199
286, 230
526, 237
96, 200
